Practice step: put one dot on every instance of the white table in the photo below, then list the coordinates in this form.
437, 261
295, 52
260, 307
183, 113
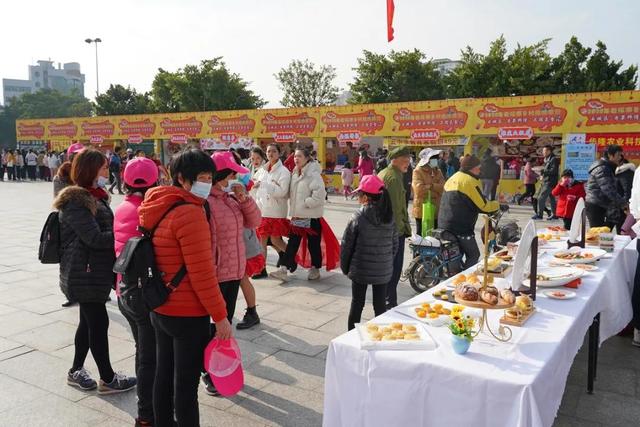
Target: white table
519, 383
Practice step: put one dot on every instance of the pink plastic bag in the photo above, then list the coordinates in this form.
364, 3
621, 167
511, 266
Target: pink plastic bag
626, 227
223, 362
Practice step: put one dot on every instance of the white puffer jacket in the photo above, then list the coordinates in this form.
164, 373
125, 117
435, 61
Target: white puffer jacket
273, 192
307, 193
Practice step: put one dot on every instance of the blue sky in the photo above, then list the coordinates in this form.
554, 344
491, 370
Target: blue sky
258, 37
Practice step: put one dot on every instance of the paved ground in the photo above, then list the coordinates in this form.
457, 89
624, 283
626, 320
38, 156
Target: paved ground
284, 357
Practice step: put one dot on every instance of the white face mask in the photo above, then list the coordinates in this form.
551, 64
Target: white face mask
102, 181
433, 162
201, 189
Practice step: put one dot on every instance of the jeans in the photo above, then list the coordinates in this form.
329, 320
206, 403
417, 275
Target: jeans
180, 344
635, 297
114, 176
358, 294
469, 248
392, 285
314, 247
545, 193
487, 187
145, 339
92, 334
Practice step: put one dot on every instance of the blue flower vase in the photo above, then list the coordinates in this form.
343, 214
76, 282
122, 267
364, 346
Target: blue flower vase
460, 344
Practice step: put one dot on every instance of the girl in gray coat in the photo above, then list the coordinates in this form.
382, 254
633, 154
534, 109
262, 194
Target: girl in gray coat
369, 245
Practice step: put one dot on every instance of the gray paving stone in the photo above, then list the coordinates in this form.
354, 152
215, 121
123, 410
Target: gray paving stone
43, 305
299, 317
567, 421
6, 344
113, 422
15, 352
212, 417
305, 300
15, 393
256, 331
119, 349
570, 399
253, 352
604, 407
296, 339
291, 369
52, 411
122, 406
610, 378
17, 294
48, 338
20, 321
16, 276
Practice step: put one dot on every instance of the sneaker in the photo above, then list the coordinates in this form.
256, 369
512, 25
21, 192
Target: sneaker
279, 274
536, 217
249, 320
636, 337
209, 388
81, 379
314, 274
119, 384
262, 275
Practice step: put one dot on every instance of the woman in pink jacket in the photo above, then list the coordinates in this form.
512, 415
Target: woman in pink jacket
365, 164
232, 210
140, 175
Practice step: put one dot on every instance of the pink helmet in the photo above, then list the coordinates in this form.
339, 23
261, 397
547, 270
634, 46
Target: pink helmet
370, 184
75, 148
140, 172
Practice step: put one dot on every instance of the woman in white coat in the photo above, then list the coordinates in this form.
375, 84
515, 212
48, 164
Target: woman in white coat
306, 208
271, 191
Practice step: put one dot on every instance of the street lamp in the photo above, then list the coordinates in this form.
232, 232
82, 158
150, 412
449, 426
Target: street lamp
95, 41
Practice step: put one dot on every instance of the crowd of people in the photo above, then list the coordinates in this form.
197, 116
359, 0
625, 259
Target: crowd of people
23, 165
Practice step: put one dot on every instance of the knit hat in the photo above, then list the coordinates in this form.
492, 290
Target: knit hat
469, 162
399, 152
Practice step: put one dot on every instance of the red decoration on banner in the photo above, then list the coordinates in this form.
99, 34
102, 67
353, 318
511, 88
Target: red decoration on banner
390, 10
141, 127
516, 132
425, 135
229, 138
284, 137
190, 126
544, 116
238, 124
179, 139
604, 113
135, 139
96, 139
349, 137
299, 123
368, 122
104, 128
67, 129
447, 119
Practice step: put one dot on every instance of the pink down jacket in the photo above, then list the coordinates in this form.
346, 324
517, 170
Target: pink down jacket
125, 224
229, 218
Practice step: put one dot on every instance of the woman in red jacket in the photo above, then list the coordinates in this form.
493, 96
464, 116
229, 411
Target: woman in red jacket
567, 193
183, 237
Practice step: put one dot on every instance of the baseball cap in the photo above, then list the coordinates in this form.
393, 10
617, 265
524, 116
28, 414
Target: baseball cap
225, 160
370, 184
427, 154
140, 172
75, 148
223, 362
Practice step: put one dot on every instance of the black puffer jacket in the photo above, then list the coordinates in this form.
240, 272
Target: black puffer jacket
86, 234
368, 248
602, 188
624, 176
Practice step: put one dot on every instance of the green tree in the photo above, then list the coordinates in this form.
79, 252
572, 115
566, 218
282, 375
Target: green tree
208, 86
604, 74
400, 76
529, 70
122, 100
568, 68
304, 85
7, 127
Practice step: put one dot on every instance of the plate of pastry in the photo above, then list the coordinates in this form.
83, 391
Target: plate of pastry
578, 255
555, 276
394, 336
431, 313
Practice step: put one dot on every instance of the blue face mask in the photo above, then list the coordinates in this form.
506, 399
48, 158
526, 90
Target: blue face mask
433, 163
201, 189
230, 185
102, 181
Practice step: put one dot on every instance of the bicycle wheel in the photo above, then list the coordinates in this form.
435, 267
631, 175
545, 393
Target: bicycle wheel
424, 275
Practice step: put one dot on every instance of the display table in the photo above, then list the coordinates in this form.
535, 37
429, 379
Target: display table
519, 383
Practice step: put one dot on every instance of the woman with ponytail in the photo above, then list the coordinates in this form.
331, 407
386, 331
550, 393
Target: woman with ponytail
369, 245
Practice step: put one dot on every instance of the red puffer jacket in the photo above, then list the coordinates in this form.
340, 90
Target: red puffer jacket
568, 198
229, 218
183, 237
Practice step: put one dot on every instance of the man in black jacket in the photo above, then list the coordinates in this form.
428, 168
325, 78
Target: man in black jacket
549, 181
604, 203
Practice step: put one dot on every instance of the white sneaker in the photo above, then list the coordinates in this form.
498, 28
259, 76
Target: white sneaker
314, 274
636, 337
279, 274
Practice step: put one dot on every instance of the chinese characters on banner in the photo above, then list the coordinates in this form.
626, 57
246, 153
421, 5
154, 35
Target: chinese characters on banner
578, 158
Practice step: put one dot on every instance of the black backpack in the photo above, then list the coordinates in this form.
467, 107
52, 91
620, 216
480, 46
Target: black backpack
142, 286
49, 249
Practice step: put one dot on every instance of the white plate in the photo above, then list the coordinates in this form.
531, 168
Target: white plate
567, 294
426, 341
587, 267
596, 255
558, 276
410, 311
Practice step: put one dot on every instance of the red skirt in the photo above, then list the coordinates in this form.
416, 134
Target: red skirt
278, 227
254, 265
328, 244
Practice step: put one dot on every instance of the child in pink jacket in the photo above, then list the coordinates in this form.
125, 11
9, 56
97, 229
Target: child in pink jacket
232, 210
140, 175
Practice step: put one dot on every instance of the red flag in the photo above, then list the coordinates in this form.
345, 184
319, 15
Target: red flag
390, 9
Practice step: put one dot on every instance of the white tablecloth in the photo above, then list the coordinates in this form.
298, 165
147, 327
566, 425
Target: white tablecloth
519, 383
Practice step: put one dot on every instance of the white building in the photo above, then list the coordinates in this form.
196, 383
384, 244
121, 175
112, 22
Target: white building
446, 65
65, 78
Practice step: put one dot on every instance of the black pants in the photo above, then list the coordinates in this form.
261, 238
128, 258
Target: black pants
115, 180
635, 297
92, 334
2, 169
530, 191
469, 248
32, 172
145, 339
11, 173
392, 285
314, 247
180, 343
42, 171
597, 216
358, 295
567, 223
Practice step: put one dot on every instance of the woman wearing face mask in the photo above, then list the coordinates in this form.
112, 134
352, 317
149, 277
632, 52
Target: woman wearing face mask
427, 176
233, 210
567, 193
86, 264
182, 237
271, 191
308, 228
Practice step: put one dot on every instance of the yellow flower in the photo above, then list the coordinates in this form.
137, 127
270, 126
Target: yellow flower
455, 316
460, 325
457, 308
